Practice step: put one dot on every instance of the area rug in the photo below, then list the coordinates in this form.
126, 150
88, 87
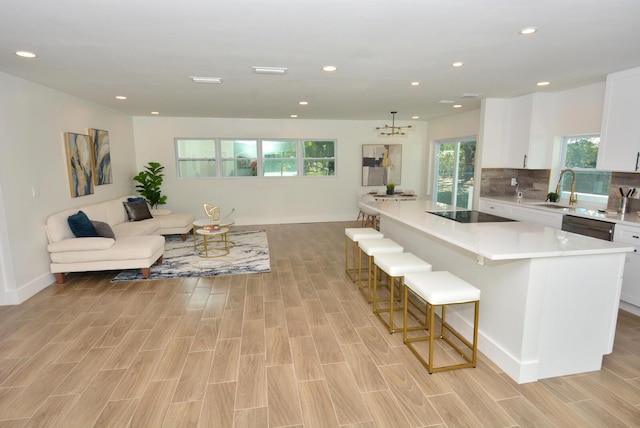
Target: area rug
249, 254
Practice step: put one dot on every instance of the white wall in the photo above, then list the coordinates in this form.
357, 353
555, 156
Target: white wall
33, 120
272, 200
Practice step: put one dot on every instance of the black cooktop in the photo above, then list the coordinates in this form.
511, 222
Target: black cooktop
470, 216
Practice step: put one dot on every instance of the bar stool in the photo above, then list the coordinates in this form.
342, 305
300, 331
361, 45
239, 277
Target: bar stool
396, 266
442, 289
373, 247
353, 235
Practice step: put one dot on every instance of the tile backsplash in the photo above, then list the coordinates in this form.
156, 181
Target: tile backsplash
496, 182
534, 183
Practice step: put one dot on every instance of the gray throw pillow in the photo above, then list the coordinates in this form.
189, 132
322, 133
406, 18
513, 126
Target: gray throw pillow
137, 210
103, 229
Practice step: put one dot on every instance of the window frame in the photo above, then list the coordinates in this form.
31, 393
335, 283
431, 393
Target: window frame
300, 159
600, 198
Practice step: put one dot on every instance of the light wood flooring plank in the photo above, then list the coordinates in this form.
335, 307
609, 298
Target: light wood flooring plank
317, 407
173, 359
226, 358
58, 348
218, 406
252, 382
154, 404
345, 394
193, 380
283, 398
91, 402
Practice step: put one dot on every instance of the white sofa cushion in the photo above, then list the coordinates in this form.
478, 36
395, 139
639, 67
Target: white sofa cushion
80, 244
125, 248
116, 213
136, 228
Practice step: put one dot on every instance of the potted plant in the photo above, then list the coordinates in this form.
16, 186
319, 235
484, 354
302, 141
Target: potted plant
553, 197
149, 182
391, 188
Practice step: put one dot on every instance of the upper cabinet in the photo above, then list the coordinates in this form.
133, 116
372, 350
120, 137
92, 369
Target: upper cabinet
620, 135
516, 133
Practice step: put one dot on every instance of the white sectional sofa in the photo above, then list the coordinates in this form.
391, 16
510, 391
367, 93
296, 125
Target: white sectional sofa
137, 244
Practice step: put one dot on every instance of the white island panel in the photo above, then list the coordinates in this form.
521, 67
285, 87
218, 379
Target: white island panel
549, 301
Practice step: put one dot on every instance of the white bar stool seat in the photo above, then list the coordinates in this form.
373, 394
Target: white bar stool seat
442, 289
353, 235
396, 266
373, 247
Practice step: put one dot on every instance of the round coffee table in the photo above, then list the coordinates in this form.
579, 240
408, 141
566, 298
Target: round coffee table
215, 242
202, 222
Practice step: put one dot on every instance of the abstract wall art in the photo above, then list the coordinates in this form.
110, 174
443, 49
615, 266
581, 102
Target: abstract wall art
101, 156
381, 164
79, 164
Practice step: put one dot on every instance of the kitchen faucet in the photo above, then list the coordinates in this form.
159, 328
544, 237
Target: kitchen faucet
572, 197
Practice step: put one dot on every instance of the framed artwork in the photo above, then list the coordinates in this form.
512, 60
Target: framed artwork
100, 156
381, 164
79, 164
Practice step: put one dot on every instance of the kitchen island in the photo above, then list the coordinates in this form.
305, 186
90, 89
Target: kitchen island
549, 302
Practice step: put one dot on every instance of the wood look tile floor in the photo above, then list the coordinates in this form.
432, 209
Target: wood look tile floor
296, 347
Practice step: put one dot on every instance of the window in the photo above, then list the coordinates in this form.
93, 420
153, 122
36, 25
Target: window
580, 154
319, 158
455, 166
221, 157
280, 157
239, 157
196, 158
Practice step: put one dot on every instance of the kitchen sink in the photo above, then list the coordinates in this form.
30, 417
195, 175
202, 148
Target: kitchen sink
556, 206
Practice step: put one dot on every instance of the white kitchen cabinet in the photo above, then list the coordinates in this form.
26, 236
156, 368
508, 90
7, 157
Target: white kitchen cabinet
522, 213
529, 143
631, 280
516, 132
620, 134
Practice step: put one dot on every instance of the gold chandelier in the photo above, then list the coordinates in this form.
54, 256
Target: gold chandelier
393, 129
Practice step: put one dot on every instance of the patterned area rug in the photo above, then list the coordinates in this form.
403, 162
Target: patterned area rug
249, 254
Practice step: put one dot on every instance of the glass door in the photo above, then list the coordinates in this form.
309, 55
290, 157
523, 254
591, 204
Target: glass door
455, 167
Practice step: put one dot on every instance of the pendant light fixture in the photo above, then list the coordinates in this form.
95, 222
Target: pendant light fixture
393, 130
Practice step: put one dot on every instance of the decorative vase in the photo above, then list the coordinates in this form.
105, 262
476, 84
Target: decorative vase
390, 191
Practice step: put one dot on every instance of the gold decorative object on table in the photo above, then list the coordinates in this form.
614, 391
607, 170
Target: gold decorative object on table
212, 212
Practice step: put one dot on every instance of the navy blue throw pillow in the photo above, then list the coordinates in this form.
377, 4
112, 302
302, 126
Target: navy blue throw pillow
140, 198
81, 226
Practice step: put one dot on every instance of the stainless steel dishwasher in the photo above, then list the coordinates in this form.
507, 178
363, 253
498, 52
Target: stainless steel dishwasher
588, 226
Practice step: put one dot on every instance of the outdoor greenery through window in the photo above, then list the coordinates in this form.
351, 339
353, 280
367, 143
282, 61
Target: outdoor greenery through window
219, 157
455, 166
580, 154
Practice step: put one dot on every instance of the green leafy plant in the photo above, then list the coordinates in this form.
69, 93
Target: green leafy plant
391, 188
149, 182
553, 197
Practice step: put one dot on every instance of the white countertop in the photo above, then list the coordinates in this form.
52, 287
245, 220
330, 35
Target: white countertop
495, 241
630, 218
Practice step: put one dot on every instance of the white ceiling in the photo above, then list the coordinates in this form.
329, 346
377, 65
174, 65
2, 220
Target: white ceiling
147, 49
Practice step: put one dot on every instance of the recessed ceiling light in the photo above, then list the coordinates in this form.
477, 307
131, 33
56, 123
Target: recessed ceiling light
206, 79
303, 103
26, 54
155, 112
415, 83
543, 83
269, 70
120, 97
457, 105
457, 64
293, 116
415, 117
528, 30
445, 102
329, 68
